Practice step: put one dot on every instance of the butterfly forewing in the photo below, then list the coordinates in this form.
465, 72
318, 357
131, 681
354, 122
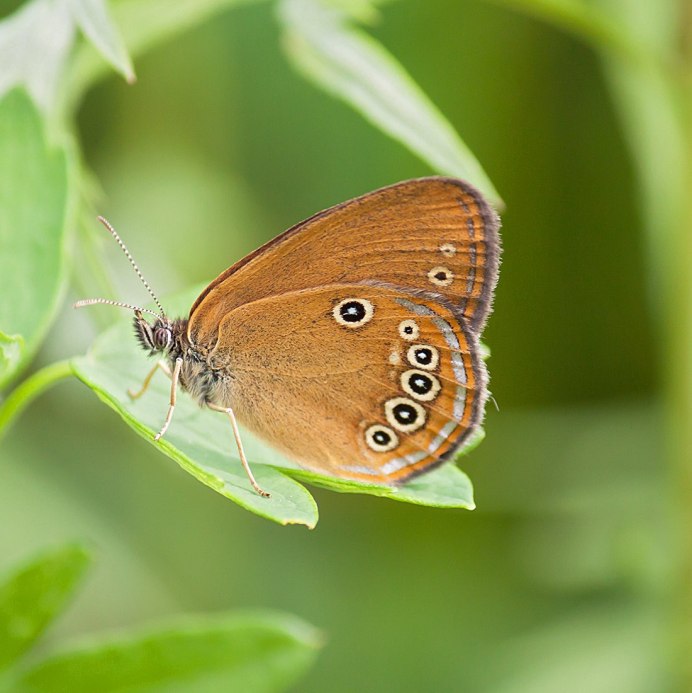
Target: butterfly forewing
431, 234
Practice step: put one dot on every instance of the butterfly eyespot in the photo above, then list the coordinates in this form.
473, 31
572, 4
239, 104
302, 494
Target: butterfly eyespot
420, 385
448, 249
423, 356
441, 276
381, 438
408, 329
404, 414
353, 312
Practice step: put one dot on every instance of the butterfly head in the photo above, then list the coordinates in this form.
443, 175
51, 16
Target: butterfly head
154, 338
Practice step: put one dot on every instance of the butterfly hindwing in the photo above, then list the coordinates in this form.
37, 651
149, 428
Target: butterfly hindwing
359, 381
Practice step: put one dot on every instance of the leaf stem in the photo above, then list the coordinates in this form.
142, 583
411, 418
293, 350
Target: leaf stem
679, 378
20, 398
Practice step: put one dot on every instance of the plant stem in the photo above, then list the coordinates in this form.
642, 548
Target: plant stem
679, 373
35, 385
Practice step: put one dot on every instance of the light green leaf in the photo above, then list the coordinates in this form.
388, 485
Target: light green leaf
363, 11
254, 652
34, 595
345, 62
34, 43
201, 441
446, 487
94, 20
35, 208
143, 24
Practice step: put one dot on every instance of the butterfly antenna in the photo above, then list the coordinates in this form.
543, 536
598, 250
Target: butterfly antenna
123, 247
108, 302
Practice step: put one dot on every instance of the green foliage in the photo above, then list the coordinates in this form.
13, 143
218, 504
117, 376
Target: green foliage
29, 60
32, 236
350, 65
201, 441
560, 580
94, 19
33, 596
29, 389
144, 24
254, 652
319, 36
586, 20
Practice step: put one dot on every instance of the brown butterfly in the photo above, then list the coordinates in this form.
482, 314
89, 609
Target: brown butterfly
351, 341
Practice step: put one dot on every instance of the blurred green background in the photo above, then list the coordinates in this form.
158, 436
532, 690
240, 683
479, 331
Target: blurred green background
561, 579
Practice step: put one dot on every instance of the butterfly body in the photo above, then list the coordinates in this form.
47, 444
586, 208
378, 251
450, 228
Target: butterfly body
351, 341
168, 339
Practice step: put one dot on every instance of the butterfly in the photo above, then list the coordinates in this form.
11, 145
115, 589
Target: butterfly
350, 342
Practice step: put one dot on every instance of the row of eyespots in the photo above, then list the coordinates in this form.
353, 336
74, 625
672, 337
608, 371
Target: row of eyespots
356, 312
440, 275
406, 414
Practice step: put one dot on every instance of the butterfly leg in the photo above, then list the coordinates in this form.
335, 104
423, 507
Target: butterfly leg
147, 380
239, 443
174, 387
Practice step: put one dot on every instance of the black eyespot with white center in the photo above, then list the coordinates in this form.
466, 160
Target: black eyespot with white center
420, 385
353, 312
404, 414
381, 438
423, 356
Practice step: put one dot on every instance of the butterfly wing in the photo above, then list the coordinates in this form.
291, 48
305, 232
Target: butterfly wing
359, 381
430, 234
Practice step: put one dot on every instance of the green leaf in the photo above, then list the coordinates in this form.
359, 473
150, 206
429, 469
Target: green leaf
35, 208
445, 487
363, 11
254, 652
34, 595
143, 24
352, 66
34, 43
200, 440
94, 20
